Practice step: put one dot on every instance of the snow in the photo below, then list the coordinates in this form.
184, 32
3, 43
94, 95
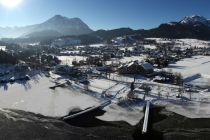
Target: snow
150, 47
69, 59
35, 96
194, 70
171, 23
195, 19
114, 112
3, 48
197, 107
147, 66
132, 58
126, 59
191, 110
160, 40
97, 45
100, 85
191, 66
192, 43
69, 52
128, 48
183, 43
117, 113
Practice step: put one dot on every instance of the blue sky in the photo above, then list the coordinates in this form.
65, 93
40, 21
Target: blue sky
105, 14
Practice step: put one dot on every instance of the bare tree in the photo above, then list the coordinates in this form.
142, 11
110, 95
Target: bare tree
146, 88
167, 95
159, 92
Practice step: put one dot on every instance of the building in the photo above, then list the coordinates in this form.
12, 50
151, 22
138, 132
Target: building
22, 67
66, 42
63, 69
136, 68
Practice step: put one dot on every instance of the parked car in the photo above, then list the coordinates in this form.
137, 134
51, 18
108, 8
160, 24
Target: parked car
12, 80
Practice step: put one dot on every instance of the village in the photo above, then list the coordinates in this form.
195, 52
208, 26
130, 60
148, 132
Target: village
127, 72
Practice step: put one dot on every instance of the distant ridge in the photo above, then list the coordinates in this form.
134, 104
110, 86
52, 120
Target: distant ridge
58, 24
196, 27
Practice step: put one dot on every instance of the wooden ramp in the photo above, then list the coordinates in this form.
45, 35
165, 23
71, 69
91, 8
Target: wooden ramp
101, 106
146, 118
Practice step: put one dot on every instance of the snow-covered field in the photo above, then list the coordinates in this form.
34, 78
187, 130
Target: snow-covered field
195, 70
195, 43
69, 52
97, 45
132, 58
126, 59
69, 59
160, 40
150, 47
191, 66
133, 111
2, 48
114, 112
184, 43
192, 105
128, 48
35, 96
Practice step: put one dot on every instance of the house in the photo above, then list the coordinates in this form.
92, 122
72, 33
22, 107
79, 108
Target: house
94, 60
135, 67
22, 67
147, 68
63, 69
65, 42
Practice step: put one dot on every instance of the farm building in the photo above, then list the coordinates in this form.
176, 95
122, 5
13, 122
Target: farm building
22, 67
136, 67
63, 69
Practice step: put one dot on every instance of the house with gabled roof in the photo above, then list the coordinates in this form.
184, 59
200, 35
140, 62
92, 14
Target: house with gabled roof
136, 67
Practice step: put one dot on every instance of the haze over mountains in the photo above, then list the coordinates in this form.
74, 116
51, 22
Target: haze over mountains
56, 26
195, 26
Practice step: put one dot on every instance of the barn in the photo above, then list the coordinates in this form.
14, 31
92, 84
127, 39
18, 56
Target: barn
136, 67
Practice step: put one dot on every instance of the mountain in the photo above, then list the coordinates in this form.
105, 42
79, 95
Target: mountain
195, 26
195, 20
58, 25
110, 34
65, 26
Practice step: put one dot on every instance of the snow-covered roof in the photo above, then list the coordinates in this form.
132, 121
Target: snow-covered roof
22, 64
130, 64
147, 66
67, 67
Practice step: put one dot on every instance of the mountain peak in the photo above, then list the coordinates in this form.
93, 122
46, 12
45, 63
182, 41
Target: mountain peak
65, 25
195, 20
63, 17
58, 16
59, 19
